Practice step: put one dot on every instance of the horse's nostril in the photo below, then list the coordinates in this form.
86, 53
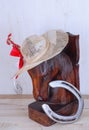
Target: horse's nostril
40, 98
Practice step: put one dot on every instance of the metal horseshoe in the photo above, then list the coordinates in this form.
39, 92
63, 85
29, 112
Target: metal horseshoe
61, 118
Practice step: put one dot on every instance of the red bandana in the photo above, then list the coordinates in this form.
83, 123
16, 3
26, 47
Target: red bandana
15, 50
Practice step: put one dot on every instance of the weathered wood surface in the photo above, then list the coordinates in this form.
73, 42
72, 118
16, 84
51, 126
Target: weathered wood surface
14, 116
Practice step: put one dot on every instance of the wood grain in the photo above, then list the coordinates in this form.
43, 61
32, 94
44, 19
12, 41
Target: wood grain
14, 116
63, 66
15, 96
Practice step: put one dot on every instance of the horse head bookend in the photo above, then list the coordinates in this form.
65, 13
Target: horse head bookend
52, 62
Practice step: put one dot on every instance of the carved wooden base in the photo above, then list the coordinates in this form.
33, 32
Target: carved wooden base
37, 114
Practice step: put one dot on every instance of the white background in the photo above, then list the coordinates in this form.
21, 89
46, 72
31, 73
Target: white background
26, 17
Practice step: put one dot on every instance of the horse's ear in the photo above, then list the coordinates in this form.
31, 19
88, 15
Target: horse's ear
72, 48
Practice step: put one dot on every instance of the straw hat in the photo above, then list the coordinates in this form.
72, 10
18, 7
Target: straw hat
37, 49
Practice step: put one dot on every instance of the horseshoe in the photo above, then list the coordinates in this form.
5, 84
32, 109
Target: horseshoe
61, 118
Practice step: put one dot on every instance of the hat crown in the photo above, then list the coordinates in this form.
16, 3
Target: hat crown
32, 47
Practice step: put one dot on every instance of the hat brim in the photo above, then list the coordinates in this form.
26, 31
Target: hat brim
52, 50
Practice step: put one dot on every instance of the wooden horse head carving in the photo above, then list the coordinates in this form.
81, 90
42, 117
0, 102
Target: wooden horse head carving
63, 66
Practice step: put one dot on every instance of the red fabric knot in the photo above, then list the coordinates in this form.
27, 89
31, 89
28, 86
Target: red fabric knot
15, 50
